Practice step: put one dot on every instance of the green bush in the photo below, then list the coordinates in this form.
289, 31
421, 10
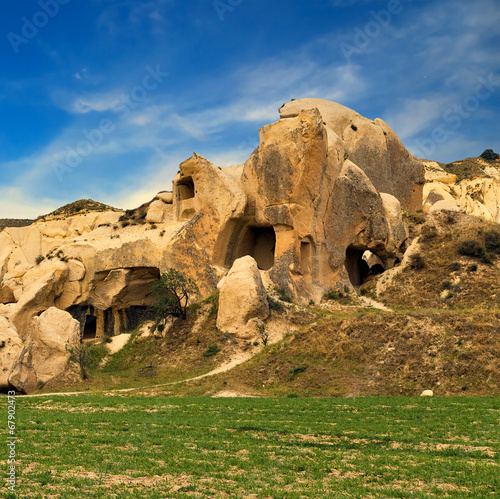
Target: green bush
488, 154
283, 295
474, 249
296, 370
88, 356
492, 241
212, 349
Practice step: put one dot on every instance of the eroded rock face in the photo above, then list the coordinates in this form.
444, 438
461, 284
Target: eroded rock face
242, 299
324, 186
479, 196
45, 352
10, 346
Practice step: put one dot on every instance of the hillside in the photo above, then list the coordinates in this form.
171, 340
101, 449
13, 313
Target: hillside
77, 207
441, 332
14, 222
470, 168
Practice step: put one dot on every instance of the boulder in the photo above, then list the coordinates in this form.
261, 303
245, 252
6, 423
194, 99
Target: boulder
165, 196
443, 205
427, 393
46, 351
156, 212
10, 346
242, 298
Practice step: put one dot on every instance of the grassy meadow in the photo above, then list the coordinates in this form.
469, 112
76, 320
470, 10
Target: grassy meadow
139, 446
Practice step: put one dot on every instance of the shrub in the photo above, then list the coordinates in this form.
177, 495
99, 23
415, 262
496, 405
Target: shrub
283, 295
263, 333
39, 259
488, 154
474, 249
333, 294
428, 233
417, 262
211, 350
296, 370
125, 223
447, 285
354, 127
153, 226
88, 356
160, 328
492, 241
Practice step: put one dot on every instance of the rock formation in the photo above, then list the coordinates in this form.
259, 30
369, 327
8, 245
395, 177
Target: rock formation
46, 350
243, 299
324, 186
478, 194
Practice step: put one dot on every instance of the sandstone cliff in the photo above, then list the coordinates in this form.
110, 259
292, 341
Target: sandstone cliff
324, 186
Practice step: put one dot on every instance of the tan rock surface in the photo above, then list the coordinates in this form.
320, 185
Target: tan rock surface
45, 352
242, 299
10, 346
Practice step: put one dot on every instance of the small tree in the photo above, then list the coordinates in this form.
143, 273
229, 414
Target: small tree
172, 292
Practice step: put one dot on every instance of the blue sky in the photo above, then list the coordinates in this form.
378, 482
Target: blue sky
103, 99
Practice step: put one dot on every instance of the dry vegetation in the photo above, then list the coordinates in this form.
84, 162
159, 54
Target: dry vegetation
470, 168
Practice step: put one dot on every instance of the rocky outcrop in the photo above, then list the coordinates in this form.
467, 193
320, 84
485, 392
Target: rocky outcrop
324, 187
373, 146
242, 299
46, 350
479, 196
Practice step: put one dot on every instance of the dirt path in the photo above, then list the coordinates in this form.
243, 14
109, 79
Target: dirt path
236, 360
374, 304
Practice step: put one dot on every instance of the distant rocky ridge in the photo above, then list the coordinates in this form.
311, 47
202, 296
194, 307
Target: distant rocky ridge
14, 222
473, 184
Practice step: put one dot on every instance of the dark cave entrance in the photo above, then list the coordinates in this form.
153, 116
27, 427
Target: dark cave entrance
356, 266
90, 327
185, 189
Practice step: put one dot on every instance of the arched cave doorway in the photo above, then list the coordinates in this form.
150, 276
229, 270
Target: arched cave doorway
356, 267
306, 256
185, 189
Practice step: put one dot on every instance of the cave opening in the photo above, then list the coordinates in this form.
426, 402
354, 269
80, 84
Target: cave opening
306, 254
356, 266
90, 328
259, 243
185, 189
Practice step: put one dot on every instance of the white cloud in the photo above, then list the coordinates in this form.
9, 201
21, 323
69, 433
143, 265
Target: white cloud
415, 115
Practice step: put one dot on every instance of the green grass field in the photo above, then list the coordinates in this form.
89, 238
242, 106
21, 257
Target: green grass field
129, 446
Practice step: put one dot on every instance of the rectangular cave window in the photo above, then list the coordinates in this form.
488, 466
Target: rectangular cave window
185, 189
306, 253
90, 327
